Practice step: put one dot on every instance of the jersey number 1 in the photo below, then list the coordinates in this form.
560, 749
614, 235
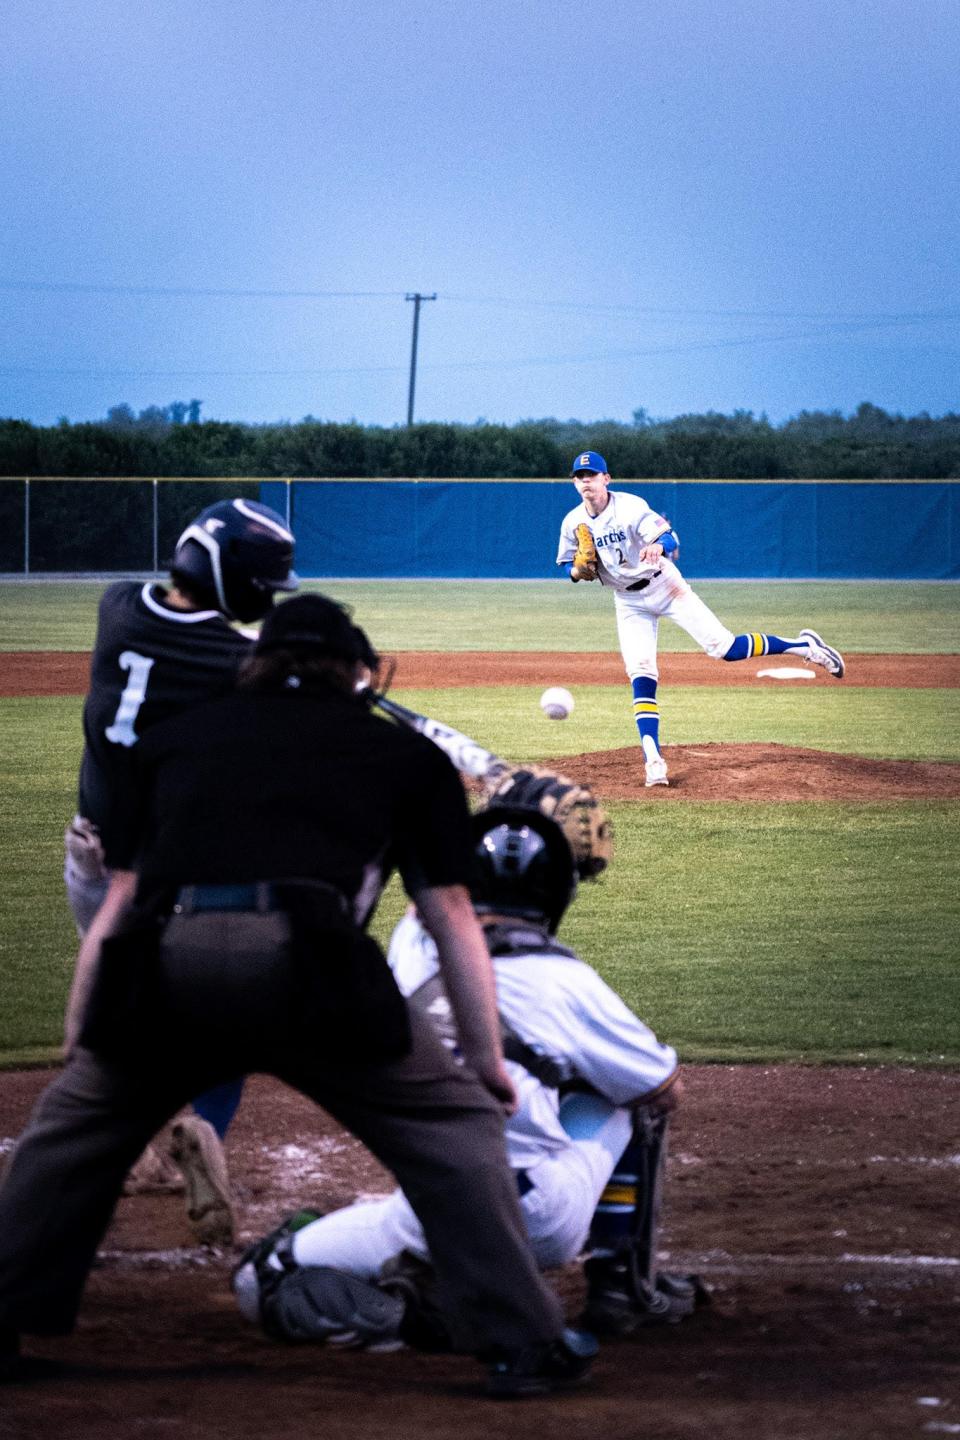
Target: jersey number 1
121, 732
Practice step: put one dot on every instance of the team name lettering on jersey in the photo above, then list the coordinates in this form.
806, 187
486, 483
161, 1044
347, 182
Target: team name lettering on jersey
613, 537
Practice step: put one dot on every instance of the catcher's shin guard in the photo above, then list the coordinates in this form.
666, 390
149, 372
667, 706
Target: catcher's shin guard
624, 1289
413, 1281
315, 1302
627, 1212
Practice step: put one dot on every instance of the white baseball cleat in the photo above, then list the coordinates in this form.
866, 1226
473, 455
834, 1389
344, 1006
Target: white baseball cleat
819, 653
154, 1173
656, 772
196, 1150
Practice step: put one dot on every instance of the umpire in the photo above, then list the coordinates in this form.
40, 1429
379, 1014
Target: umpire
261, 830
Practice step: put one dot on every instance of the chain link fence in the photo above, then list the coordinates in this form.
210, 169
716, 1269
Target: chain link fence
80, 526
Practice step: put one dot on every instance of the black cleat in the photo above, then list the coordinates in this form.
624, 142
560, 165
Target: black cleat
17, 1369
618, 1304
542, 1369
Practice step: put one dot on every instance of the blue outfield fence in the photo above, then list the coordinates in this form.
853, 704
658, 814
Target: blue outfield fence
732, 529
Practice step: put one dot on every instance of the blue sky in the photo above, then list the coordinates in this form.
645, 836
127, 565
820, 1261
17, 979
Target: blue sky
682, 205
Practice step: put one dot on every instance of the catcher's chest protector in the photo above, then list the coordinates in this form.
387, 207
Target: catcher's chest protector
504, 942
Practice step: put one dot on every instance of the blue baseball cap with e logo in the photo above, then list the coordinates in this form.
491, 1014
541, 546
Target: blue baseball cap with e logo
589, 460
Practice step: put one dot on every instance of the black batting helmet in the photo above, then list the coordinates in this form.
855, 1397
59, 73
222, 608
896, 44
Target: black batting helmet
234, 557
522, 865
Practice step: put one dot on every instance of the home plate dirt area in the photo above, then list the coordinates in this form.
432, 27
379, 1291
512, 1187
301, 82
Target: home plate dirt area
819, 1205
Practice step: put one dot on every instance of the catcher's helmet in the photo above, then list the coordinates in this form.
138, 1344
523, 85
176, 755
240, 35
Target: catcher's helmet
522, 865
234, 556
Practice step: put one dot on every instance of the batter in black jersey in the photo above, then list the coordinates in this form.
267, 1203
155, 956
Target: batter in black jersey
152, 660
161, 650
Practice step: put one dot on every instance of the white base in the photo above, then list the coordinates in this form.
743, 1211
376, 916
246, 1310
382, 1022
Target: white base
787, 672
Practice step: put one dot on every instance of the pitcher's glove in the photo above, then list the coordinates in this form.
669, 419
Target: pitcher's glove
584, 565
572, 806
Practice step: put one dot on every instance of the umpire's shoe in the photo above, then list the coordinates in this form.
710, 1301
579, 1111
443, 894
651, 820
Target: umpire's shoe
10, 1361
17, 1369
542, 1369
196, 1150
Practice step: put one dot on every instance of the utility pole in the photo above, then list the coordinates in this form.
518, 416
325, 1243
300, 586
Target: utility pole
418, 300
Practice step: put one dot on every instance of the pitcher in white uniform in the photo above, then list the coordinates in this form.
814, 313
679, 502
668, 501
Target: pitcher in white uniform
636, 554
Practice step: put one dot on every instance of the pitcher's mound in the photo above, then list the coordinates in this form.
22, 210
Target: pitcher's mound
762, 772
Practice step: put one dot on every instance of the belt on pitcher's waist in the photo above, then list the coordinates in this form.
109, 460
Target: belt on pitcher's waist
642, 584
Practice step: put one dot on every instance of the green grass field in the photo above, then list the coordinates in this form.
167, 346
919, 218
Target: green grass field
740, 931
868, 617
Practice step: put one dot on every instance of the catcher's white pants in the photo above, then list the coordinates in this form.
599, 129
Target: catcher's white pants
638, 615
557, 1211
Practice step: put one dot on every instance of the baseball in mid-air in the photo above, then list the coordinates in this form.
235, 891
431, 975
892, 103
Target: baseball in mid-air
556, 703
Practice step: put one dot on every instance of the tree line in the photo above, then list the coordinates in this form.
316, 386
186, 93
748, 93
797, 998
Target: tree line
174, 441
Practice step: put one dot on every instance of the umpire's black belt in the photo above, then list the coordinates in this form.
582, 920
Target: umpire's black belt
259, 895
642, 584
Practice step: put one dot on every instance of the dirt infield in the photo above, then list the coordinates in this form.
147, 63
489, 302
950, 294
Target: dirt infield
67, 673
819, 1204
697, 772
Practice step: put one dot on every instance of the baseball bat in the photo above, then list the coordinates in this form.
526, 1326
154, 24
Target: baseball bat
469, 757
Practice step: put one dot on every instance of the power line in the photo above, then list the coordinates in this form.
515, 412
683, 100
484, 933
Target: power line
194, 292
605, 357
672, 313
517, 302
201, 374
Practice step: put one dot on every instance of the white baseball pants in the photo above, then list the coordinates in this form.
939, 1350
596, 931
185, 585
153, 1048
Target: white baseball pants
557, 1210
638, 616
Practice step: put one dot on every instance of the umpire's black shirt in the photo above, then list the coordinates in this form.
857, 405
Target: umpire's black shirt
267, 786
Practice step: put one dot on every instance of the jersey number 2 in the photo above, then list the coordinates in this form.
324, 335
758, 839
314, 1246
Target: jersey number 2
121, 732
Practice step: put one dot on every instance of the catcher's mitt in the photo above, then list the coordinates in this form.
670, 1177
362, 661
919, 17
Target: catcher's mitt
585, 561
572, 806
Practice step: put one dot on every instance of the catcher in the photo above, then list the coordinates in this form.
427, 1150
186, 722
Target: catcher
586, 1143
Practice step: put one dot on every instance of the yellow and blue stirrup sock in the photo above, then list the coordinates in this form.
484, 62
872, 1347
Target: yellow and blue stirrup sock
747, 647
646, 713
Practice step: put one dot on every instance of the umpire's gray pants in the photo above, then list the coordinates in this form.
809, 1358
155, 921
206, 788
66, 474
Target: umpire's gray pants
429, 1121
